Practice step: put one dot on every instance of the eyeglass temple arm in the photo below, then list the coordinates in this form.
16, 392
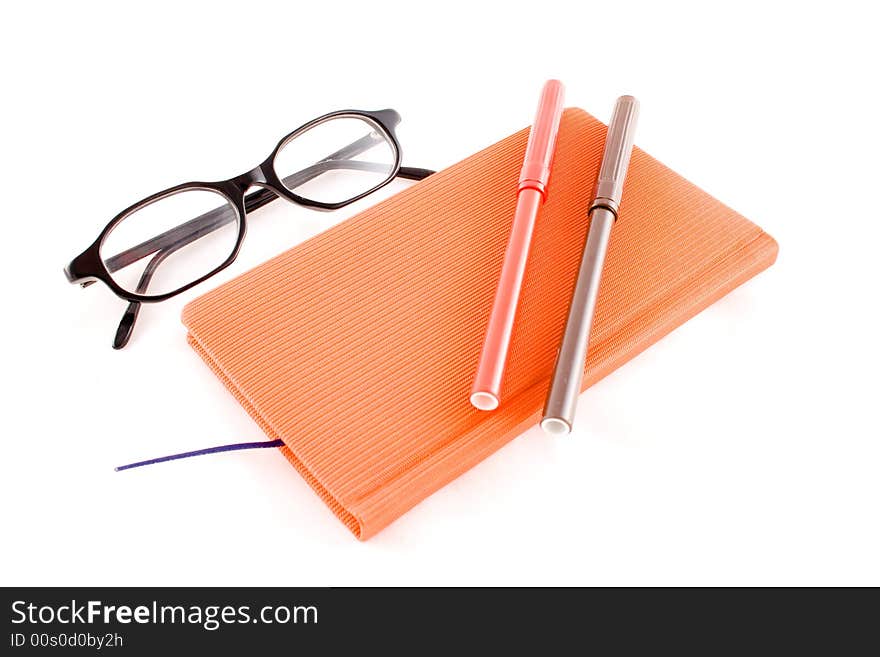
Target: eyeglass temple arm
129, 317
258, 199
214, 219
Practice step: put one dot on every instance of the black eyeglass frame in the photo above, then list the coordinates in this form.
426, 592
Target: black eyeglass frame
89, 266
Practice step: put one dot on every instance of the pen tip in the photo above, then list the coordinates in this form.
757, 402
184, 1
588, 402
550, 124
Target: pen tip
555, 427
484, 401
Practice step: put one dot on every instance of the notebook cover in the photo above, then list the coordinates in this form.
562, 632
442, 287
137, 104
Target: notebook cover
358, 347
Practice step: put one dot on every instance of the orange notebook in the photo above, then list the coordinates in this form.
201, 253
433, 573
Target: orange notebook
358, 347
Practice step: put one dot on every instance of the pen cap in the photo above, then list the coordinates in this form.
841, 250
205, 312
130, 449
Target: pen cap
618, 148
542, 138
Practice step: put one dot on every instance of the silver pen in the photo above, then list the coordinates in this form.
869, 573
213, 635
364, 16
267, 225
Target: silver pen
568, 373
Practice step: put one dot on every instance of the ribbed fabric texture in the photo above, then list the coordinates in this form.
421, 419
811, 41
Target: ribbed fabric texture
358, 347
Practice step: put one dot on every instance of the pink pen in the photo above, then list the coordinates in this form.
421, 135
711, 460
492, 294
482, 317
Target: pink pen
533, 177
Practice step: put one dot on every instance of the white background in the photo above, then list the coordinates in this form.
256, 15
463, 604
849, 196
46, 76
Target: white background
742, 449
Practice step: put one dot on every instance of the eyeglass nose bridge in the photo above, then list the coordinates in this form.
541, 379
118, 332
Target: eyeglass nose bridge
256, 176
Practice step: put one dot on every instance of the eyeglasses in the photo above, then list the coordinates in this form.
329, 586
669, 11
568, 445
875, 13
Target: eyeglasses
177, 238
